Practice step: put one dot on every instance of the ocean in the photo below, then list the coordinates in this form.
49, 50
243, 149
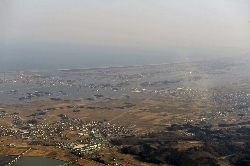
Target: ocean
35, 57
54, 63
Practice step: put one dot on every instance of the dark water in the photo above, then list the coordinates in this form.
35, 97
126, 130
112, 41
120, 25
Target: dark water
40, 161
5, 159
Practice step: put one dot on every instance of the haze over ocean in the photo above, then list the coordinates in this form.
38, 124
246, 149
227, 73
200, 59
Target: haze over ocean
42, 35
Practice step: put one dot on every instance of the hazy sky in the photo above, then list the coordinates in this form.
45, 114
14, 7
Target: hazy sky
222, 25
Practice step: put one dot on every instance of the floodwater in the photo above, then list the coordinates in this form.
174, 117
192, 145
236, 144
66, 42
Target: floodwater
40, 161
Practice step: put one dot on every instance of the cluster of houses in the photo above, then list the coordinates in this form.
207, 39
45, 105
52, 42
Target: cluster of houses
85, 137
237, 100
86, 149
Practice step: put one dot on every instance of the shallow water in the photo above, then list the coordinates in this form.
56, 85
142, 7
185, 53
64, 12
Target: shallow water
40, 161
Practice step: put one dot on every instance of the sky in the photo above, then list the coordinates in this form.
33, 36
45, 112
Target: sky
129, 26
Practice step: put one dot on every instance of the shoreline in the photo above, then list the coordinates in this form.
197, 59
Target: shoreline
114, 67
138, 65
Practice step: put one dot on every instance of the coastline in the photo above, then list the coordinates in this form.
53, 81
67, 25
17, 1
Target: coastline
138, 65
51, 68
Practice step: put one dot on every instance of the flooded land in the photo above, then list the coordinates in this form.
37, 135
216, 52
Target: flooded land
134, 115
